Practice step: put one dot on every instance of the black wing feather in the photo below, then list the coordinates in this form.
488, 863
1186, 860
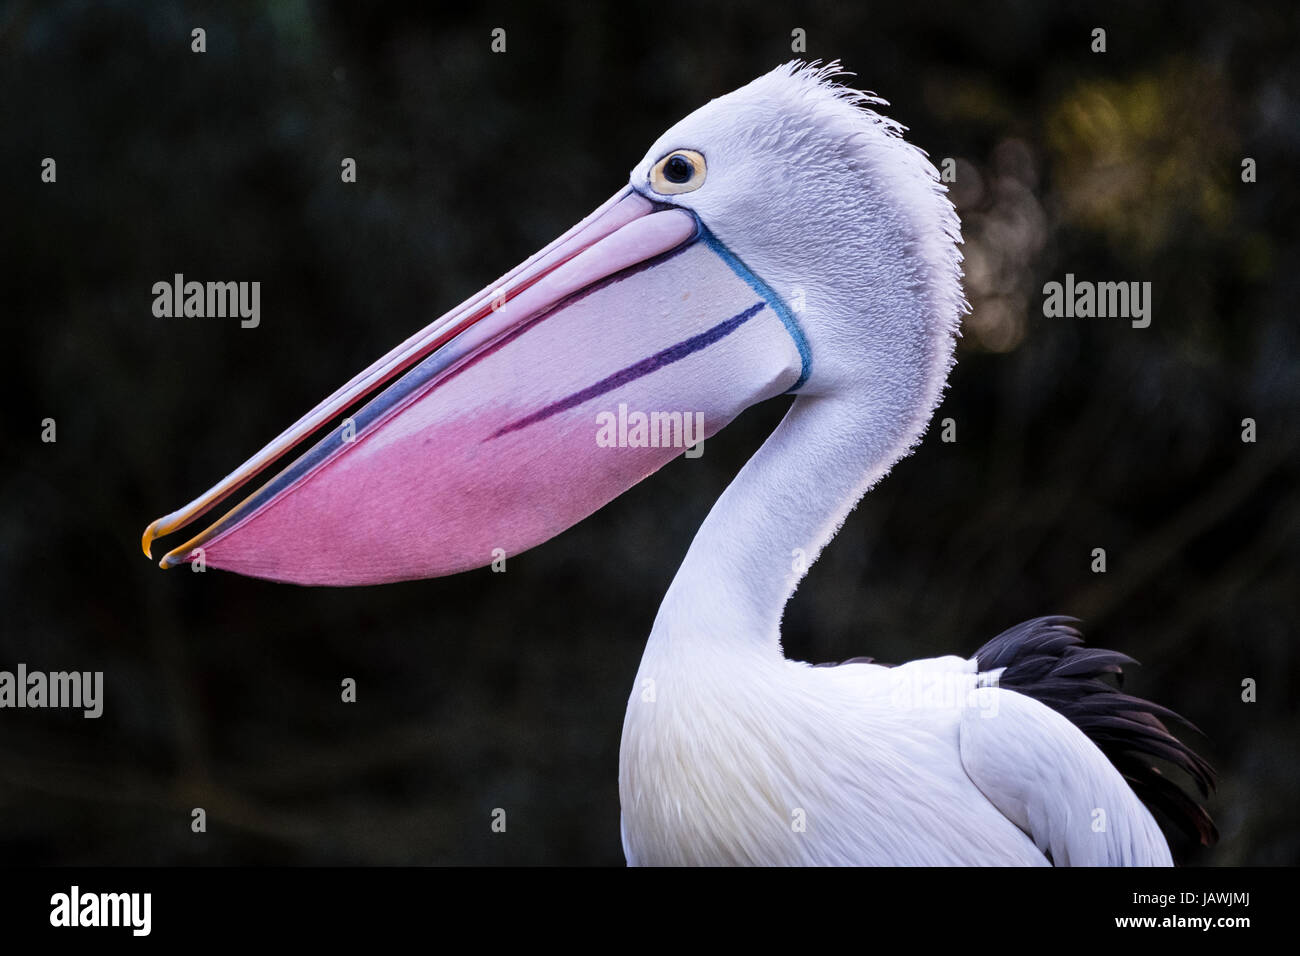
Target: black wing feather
1045, 659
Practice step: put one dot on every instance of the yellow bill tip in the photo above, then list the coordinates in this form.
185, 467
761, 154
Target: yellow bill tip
146, 542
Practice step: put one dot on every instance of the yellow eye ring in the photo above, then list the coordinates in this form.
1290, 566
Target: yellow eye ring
681, 171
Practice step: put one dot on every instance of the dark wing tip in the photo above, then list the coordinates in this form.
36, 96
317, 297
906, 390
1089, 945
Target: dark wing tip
1046, 659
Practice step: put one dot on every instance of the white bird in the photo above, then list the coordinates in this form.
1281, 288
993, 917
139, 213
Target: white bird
783, 238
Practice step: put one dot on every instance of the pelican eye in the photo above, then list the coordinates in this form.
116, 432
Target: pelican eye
678, 169
681, 171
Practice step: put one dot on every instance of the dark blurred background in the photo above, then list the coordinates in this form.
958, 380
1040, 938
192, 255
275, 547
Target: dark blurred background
489, 690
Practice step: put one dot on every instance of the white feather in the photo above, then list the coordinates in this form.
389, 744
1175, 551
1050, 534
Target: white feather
733, 754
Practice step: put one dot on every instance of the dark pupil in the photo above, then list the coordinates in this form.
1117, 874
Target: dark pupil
678, 169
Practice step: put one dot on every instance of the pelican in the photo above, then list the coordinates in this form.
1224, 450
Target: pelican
783, 239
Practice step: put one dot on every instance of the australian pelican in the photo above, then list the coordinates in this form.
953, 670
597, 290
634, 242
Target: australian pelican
784, 238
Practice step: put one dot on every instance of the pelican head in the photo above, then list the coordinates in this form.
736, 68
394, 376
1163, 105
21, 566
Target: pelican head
842, 218
782, 238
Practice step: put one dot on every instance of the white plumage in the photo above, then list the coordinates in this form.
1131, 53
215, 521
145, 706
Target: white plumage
733, 754
784, 237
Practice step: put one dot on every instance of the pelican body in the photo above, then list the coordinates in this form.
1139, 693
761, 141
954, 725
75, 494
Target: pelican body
784, 238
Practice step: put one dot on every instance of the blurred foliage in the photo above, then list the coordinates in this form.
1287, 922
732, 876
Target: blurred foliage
485, 690
1138, 159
